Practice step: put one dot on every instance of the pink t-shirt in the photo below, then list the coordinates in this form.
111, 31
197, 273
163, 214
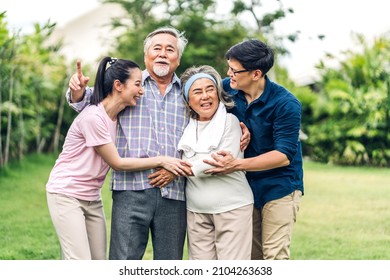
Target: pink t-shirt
79, 171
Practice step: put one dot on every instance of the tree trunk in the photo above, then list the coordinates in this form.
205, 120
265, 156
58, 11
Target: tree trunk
1, 138
38, 138
387, 111
21, 130
9, 121
57, 132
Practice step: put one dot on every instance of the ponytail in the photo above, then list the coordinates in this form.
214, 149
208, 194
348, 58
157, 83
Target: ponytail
109, 70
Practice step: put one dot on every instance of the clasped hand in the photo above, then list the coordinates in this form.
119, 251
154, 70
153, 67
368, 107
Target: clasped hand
223, 162
163, 176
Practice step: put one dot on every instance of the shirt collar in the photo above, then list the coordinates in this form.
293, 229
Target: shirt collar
264, 96
267, 90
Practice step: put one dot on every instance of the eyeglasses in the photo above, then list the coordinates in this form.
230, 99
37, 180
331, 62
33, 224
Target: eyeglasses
238, 71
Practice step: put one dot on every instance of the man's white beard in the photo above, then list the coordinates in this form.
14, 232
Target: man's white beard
161, 70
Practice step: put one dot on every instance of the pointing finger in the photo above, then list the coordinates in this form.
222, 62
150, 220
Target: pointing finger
78, 65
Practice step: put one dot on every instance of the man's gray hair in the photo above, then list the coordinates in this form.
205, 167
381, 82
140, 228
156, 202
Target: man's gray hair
181, 39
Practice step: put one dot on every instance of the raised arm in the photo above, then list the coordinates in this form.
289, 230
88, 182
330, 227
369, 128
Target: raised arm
78, 94
77, 84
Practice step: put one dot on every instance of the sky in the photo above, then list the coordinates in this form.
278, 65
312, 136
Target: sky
336, 19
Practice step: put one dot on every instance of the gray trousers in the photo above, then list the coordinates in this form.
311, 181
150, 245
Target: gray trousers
134, 213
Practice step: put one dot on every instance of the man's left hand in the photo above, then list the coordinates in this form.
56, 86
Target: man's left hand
161, 178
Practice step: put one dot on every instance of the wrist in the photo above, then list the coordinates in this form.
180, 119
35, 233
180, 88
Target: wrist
72, 98
237, 165
160, 161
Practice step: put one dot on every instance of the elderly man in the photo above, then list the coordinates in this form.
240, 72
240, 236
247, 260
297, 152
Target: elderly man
151, 128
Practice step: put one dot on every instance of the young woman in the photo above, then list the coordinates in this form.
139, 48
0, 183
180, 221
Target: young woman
219, 208
74, 186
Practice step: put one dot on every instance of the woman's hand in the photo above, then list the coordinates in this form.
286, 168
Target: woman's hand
77, 84
177, 166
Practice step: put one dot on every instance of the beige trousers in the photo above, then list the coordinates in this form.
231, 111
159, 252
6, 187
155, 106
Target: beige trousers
273, 226
80, 226
223, 236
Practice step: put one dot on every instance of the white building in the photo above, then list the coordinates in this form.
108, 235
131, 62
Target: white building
89, 36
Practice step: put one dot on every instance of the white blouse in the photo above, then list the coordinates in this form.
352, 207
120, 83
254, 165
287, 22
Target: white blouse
213, 194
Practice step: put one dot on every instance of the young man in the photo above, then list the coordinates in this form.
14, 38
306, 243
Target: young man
273, 159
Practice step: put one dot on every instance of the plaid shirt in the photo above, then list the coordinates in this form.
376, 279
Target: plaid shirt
152, 128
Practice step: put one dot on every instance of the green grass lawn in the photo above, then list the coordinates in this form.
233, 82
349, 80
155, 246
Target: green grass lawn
345, 213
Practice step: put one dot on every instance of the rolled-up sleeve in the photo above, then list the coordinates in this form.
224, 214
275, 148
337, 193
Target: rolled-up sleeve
286, 127
79, 106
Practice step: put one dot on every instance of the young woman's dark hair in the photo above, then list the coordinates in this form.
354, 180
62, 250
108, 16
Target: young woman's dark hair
117, 69
252, 54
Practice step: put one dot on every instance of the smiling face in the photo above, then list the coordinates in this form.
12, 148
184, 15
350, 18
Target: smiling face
132, 90
203, 98
240, 78
162, 56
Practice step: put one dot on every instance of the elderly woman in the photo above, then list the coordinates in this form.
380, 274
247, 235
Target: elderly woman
219, 208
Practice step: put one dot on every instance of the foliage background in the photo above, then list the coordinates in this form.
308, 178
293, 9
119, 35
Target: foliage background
345, 113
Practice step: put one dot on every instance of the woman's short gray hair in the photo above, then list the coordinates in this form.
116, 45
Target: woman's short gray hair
222, 95
181, 39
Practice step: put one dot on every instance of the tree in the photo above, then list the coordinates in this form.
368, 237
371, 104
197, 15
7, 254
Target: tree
209, 37
7, 82
351, 117
264, 21
32, 80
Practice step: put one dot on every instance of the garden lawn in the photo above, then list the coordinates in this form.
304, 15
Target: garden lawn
344, 215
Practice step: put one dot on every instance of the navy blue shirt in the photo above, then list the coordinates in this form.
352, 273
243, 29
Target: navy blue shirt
274, 121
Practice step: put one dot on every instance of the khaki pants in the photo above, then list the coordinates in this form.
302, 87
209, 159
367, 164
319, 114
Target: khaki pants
273, 226
80, 226
223, 236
